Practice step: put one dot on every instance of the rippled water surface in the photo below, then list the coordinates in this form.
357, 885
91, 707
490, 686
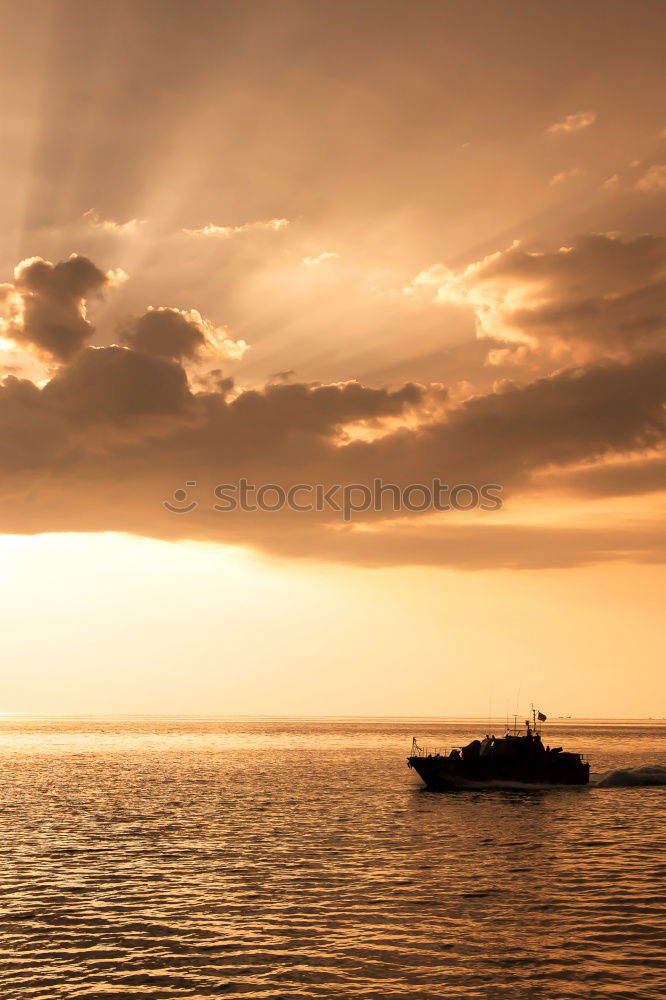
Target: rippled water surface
253, 858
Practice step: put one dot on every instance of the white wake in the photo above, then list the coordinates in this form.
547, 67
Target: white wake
630, 777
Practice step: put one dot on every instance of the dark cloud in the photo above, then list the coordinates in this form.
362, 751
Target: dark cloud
598, 297
48, 304
67, 436
319, 409
32, 437
166, 333
285, 376
117, 429
632, 478
576, 414
180, 335
477, 546
115, 385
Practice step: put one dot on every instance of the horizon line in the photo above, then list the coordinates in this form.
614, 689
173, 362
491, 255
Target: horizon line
310, 716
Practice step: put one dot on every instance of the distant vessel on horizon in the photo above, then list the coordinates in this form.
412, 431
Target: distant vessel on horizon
515, 758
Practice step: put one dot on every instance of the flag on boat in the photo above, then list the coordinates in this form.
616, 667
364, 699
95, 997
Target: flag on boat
541, 717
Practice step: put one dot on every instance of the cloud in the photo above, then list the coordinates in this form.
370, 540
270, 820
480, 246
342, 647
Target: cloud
599, 297
566, 175
46, 305
634, 477
654, 179
574, 122
113, 385
611, 183
110, 225
179, 334
321, 259
116, 430
45, 313
559, 420
274, 225
479, 546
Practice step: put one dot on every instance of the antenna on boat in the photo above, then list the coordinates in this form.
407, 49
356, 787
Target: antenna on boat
515, 717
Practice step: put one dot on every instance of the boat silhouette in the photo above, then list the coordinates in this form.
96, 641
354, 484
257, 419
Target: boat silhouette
517, 758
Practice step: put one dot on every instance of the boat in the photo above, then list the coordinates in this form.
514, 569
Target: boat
515, 759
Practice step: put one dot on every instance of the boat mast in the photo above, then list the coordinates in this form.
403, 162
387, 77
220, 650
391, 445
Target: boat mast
536, 720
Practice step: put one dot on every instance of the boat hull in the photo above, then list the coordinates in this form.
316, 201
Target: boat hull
443, 774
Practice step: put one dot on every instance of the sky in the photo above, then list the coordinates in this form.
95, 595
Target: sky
317, 245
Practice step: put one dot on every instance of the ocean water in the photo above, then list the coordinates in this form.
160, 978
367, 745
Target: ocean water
163, 858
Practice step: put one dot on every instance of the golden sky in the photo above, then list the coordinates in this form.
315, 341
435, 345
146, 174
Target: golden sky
324, 243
